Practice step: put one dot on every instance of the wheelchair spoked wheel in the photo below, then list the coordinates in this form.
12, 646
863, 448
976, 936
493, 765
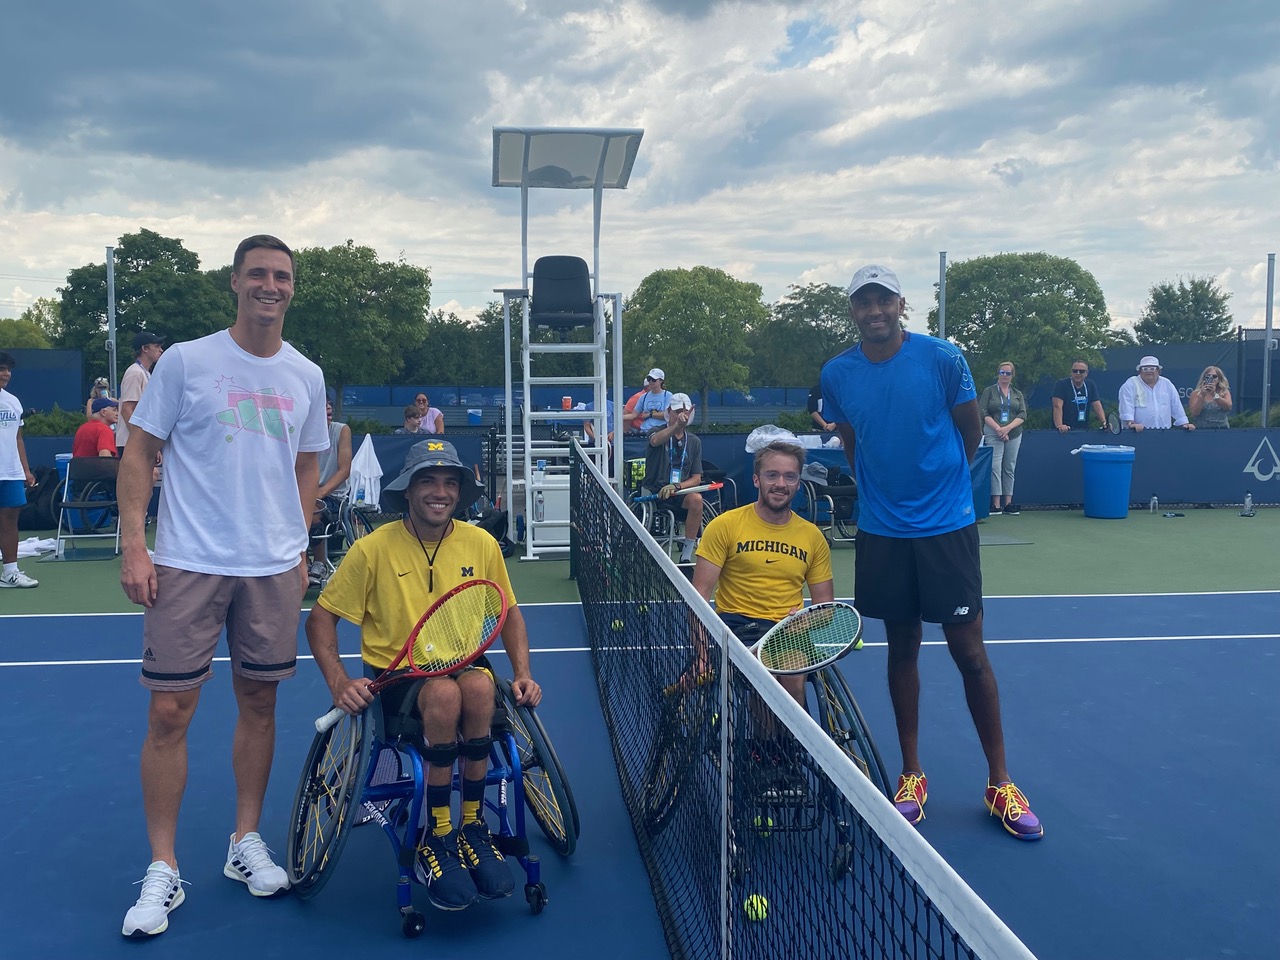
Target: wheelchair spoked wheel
361, 526
325, 805
546, 789
673, 753
96, 519
840, 715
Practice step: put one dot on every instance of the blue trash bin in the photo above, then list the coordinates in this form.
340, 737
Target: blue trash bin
475, 418
1108, 476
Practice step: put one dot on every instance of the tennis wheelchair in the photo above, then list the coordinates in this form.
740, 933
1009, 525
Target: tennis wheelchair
341, 524
356, 774
664, 519
778, 795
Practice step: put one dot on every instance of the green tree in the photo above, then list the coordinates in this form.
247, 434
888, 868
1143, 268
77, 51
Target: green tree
456, 351
45, 313
1040, 311
355, 315
21, 334
1194, 311
804, 329
159, 287
693, 324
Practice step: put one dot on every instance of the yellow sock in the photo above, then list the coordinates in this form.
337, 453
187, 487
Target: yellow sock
470, 811
443, 821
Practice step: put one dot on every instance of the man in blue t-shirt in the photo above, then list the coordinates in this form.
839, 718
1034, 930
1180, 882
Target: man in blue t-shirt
905, 407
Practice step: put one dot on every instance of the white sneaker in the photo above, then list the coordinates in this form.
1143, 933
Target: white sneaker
17, 579
686, 552
161, 893
316, 573
249, 861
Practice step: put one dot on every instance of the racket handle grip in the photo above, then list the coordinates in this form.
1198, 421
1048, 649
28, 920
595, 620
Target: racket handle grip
329, 719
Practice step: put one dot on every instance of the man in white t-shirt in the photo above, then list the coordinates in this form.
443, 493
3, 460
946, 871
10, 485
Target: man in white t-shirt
240, 417
147, 348
15, 478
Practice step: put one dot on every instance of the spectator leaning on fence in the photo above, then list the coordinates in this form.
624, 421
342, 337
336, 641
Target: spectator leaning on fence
1150, 401
1210, 402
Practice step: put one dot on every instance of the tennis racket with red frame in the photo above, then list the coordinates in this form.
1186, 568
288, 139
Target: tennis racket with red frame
456, 630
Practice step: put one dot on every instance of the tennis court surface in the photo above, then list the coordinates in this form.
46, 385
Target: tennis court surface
1141, 727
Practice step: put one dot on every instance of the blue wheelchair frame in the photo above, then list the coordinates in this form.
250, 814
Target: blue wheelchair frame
396, 804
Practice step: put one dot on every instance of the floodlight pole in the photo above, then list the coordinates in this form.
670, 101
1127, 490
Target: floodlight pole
942, 294
1267, 342
111, 320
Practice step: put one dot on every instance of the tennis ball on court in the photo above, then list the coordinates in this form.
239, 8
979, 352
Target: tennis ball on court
756, 906
765, 826
618, 625
643, 608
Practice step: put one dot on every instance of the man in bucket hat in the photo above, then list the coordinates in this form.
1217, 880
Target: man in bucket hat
1150, 401
384, 583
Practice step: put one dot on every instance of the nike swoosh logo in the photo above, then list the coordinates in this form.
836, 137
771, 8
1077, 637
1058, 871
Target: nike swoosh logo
405, 574
771, 561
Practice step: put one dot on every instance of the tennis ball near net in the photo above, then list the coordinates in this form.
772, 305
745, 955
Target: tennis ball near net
618, 626
764, 825
756, 907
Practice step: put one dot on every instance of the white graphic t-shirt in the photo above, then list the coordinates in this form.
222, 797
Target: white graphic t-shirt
10, 422
233, 425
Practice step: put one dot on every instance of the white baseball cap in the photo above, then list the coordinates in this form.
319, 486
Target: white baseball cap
680, 401
657, 374
1149, 361
873, 274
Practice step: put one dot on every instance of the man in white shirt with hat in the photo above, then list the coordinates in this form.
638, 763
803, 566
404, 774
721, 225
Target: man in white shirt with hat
650, 411
1149, 401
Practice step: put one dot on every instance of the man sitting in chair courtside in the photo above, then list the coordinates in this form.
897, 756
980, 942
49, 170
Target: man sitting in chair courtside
384, 584
673, 463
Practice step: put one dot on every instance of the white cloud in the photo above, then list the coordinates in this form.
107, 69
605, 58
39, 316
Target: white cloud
784, 142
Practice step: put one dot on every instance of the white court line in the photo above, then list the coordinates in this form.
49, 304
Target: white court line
926, 643
576, 603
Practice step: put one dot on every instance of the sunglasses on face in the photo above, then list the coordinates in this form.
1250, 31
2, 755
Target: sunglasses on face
1079, 371
1005, 373
1148, 368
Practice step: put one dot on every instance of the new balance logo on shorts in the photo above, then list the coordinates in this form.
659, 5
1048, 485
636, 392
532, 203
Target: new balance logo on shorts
960, 611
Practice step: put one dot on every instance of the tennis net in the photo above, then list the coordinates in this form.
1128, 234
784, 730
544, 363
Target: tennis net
763, 829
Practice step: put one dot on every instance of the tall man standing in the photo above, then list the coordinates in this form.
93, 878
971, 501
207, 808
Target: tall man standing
240, 416
147, 348
905, 407
1073, 399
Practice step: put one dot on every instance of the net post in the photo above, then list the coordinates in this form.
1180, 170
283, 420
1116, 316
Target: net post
726, 758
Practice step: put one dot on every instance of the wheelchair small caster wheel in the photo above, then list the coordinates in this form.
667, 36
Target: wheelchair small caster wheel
536, 895
413, 924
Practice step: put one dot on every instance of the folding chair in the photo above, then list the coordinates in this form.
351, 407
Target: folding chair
87, 506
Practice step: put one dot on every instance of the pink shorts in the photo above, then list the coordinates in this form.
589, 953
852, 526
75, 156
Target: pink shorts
180, 633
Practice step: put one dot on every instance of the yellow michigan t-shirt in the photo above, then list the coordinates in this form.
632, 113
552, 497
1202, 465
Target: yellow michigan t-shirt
381, 584
763, 566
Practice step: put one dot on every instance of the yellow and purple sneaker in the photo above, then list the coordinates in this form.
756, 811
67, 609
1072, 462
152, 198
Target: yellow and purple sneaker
913, 791
1010, 804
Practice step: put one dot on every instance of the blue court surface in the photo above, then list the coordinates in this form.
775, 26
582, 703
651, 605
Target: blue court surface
1143, 729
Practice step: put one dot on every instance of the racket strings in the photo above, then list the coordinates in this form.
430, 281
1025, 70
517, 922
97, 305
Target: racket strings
810, 639
457, 628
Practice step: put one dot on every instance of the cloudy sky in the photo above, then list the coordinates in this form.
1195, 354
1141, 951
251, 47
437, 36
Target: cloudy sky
785, 142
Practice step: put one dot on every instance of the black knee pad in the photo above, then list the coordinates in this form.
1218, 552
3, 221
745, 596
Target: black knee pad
477, 749
441, 756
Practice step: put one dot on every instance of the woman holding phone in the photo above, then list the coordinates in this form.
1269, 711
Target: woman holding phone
1210, 402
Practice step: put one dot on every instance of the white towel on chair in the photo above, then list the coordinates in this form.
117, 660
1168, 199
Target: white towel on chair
366, 472
34, 546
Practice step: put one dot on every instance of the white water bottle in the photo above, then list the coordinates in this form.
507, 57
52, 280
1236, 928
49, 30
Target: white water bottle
1248, 505
360, 495
1155, 503
539, 507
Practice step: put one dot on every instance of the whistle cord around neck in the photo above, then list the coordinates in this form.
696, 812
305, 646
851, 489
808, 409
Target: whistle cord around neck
431, 558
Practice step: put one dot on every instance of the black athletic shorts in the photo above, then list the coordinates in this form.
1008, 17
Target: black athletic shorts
747, 629
937, 579
399, 701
